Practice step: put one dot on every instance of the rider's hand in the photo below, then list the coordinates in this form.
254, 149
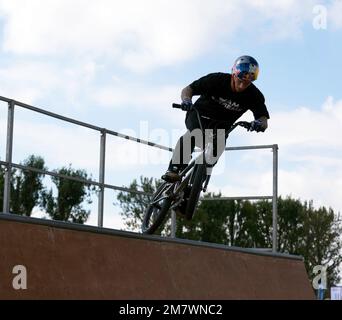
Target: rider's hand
186, 104
257, 126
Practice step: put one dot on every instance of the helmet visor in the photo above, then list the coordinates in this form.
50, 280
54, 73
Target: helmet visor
246, 71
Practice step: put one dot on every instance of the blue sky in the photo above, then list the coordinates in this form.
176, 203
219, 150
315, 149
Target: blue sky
120, 65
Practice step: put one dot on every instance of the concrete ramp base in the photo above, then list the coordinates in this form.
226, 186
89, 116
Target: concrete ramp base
68, 261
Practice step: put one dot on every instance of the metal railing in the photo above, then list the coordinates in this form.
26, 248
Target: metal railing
273, 197
8, 164
104, 132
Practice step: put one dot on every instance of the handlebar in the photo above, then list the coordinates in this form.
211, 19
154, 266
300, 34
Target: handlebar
244, 124
178, 106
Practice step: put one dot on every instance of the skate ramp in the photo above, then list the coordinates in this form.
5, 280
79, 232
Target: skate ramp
68, 261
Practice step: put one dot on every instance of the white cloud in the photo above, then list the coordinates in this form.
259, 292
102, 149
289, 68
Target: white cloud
33, 81
26, 81
276, 20
304, 127
120, 95
335, 14
63, 49
58, 144
132, 97
141, 35
30, 80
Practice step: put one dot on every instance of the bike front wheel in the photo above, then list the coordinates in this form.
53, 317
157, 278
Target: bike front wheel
157, 210
196, 188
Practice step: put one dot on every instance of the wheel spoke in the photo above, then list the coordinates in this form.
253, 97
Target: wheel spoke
157, 209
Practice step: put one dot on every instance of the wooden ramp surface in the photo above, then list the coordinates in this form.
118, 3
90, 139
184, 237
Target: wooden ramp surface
68, 261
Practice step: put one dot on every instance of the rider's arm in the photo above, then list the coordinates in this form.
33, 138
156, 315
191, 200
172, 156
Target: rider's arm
186, 94
205, 85
259, 109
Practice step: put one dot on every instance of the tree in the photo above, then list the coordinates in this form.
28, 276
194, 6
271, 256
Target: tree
67, 205
213, 221
134, 204
302, 230
26, 186
320, 243
230, 222
311, 233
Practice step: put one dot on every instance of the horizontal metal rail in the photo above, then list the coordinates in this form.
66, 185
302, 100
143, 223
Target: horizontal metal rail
238, 198
269, 146
84, 124
124, 189
85, 181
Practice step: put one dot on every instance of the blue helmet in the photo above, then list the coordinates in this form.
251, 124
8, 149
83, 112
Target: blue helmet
246, 66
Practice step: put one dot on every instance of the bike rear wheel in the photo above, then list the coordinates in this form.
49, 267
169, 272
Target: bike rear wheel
196, 188
157, 210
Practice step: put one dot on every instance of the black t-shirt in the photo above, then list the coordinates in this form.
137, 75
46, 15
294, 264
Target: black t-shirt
217, 100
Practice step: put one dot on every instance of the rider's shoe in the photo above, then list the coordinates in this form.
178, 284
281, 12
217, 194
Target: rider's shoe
171, 176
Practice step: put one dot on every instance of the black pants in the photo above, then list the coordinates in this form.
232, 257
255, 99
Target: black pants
214, 131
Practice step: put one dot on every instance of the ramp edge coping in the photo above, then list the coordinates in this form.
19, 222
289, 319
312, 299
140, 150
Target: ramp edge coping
129, 234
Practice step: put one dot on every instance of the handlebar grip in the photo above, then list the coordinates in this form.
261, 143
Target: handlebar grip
176, 105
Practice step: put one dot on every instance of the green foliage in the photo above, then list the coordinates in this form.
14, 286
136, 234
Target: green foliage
210, 223
134, 204
28, 191
321, 242
26, 186
229, 222
67, 205
302, 230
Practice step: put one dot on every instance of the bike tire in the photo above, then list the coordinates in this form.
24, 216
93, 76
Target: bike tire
195, 190
147, 227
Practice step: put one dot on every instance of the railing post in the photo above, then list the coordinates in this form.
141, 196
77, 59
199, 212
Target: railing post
173, 223
9, 147
275, 199
102, 176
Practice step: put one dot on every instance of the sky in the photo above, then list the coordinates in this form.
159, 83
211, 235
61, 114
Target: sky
121, 64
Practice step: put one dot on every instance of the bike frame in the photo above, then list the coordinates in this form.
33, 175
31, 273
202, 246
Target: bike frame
175, 188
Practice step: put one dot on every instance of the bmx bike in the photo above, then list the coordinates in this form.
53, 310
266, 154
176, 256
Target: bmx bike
184, 193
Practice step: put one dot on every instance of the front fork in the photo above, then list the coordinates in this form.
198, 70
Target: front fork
206, 182
209, 169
